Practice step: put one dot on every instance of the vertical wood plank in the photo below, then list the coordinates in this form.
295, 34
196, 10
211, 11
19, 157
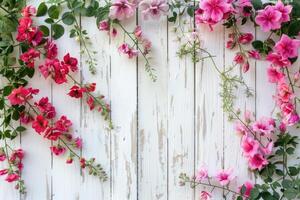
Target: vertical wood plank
37, 171
66, 177
181, 111
152, 115
209, 112
94, 132
124, 114
232, 150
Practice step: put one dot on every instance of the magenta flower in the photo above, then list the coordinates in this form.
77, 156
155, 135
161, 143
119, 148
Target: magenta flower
287, 47
225, 176
264, 126
249, 186
278, 60
122, 9
202, 174
257, 162
269, 19
284, 10
249, 146
214, 9
153, 8
205, 195
274, 74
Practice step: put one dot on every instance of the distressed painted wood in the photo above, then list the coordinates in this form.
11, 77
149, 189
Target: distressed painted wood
173, 125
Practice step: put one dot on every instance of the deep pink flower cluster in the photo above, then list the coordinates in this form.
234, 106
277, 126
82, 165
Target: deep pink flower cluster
222, 177
13, 172
256, 141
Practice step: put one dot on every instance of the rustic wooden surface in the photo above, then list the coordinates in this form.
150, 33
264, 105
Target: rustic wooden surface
164, 128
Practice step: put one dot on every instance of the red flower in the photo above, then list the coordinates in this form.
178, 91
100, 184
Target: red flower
25, 118
3, 172
51, 49
71, 62
12, 177
78, 143
76, 92
52, 134
17, 154
82, 163
2, 157
246, 38
24, 29
89, 87
20, 95
29, 56
63, 124
91, 102
69, 160
46, 108
58, 150
57, 71
40, 124
28, 11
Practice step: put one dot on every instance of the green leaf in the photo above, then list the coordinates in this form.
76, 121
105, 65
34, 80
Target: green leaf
290, 193
42, 10
293, 171
258, 45
68, 18
294, 28
2, 103
45, 30
257, 4
190, 11
287, 184
53, 12
58, 31
7, 90
279, 172
21, 128
16, 115
49, 21
254, 193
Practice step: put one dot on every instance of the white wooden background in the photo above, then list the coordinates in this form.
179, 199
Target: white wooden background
164, 128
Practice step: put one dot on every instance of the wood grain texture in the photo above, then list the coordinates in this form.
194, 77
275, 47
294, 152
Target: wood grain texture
173, 125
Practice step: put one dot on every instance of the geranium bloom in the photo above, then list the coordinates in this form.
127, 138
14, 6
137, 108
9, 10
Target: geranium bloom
269, 19
264, 126
205, 195
245, 38
130, 52
225, 176
241, 129
214, 10
51, 49
89, 87
2, 155
153, 8
257, 162
245, 7
121, 9
202, 174
284, 92
78, 143
274, 74
40, 124
104, 26
25, 118
19, 153
91, 102
29, 56
58, 150
28, 11
267, 150
249, 146
76, 92
3, 172
71, 62
54, 68
239, 58
63, 124
20, 95
249, 186
254, 54
284, 10
12, 177
46, 108
287, 47
278, 60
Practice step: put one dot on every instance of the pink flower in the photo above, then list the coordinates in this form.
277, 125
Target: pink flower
245, 7
46, 108
205, 195
121, 9
239, 58
274, 74
282, 127
125, 49
278, 60
138, 32
249, 146
249, 186
19, 153
29, 56
19, 96
63, 124
254, 54
269, 19
91, 102
69, 160
58, 150
214, 10
245, 38
202, 174
284, 10
40, 124
3, 172
25, 118
153, 8
54, 68
12, 177
51, 49
76, 92
284, 92
245, 67
70, 62
287, 47
257, 162
264, 126
104, 26
2, 157
78, 143
225, 176
241, 129
28, 11
268, 149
